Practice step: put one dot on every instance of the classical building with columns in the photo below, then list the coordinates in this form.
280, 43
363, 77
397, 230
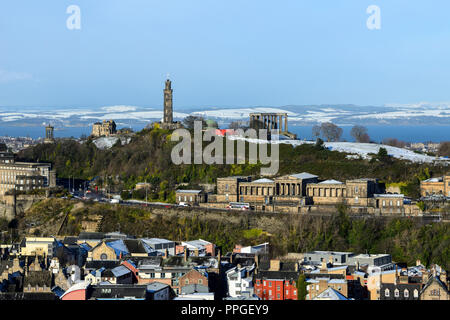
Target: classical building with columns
271, 121
304, 192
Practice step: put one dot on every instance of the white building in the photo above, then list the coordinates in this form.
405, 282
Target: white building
239, 280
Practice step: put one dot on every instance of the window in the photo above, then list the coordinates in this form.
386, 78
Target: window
416, 293
386, 293
278, 288
186, 281
390, 203
278, 296
435, 292
152, 275
396, 293
163, 275
270, 283
356, 189
200, 281
226, 187
406, 293
270, 292
384, 203
103, 256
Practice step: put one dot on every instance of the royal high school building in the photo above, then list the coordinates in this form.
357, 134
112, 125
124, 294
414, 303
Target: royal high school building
304, 192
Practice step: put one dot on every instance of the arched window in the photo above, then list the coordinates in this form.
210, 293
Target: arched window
103, 256
396, 293
406, 293
386, 293
416, 293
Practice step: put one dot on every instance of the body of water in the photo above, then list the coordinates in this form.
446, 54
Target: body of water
376, 133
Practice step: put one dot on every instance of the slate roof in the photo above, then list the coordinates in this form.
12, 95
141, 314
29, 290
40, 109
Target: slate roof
156, 286
330, 294
194, 288
331, 182
97, 264
285, 275
303, 175
134, 246
120, 271
38, 278
263, 180
70, 240
188, 191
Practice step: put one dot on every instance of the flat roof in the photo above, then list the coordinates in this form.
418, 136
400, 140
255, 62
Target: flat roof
156, 240
188, 191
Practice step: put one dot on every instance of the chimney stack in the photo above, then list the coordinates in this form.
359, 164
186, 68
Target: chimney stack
186, 254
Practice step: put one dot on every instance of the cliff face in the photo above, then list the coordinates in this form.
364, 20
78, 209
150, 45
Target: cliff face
10, 207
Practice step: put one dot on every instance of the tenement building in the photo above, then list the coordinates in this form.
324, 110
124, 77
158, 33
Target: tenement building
24, 176
304, 192
105, 128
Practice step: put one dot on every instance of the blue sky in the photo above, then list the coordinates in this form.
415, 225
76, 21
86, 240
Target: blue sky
223, 53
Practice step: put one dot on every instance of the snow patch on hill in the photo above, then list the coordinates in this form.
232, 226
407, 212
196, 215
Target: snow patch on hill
103, 143
361, 149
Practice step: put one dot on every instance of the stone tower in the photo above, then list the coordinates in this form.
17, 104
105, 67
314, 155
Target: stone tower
49, 134
168, 107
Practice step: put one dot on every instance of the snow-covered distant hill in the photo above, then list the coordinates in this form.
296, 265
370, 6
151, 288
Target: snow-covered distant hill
394, 114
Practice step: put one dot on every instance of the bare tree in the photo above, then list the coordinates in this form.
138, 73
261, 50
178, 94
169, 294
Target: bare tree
360, 133
444, 149
316, 131
188, 122
330, 131
394, 142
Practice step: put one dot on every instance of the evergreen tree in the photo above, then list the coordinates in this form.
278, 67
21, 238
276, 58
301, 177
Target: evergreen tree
301, 287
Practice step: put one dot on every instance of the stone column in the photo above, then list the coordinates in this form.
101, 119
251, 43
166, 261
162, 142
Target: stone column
285, 123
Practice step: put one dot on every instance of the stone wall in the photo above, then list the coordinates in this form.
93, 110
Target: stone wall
22, 203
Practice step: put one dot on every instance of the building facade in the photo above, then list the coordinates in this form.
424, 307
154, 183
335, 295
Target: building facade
304, 192
105, 128
436, 186
24, 176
